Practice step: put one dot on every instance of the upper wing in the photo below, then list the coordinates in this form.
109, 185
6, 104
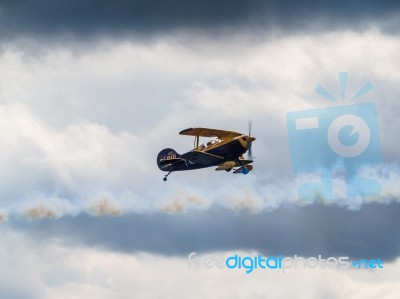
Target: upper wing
202, 158
205, 132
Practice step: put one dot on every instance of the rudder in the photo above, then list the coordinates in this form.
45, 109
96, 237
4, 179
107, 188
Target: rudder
166, 157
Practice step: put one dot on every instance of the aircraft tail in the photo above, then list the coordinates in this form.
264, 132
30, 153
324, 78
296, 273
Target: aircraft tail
166, 157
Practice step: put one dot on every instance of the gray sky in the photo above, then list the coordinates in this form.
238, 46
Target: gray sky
88, 18
309, 231
91, 91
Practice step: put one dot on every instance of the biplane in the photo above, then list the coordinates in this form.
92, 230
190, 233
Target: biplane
224, 150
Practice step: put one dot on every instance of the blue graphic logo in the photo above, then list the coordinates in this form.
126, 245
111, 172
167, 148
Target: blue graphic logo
328, 140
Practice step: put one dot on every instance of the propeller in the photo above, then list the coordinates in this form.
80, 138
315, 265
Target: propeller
250, 153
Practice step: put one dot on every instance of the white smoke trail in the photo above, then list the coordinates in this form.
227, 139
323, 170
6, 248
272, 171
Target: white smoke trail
103, 206
3, 217
86, 168
40, 211
249, 194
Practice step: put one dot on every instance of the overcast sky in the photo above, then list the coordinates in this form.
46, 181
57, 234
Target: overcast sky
91, 91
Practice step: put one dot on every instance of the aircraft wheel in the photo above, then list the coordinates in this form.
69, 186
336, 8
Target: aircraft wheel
164, 179
245, 170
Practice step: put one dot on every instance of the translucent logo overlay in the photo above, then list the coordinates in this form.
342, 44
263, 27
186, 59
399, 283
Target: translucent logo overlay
250, 263
342, 138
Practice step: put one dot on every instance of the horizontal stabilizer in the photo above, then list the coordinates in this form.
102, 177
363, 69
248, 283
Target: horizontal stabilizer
165, 162
202, 158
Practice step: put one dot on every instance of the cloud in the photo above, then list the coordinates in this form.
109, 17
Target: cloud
65, 18
3, 217
82, 123
103, 206
59, 158
64, 271
38, 212
311, 230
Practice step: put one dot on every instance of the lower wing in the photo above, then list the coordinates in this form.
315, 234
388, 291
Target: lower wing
202, 158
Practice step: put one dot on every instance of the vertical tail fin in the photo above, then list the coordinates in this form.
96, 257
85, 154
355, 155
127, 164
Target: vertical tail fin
166, 157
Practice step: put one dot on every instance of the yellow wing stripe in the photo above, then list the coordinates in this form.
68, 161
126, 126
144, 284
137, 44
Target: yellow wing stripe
205, 132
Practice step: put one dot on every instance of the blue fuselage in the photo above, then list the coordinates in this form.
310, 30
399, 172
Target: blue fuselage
229, 151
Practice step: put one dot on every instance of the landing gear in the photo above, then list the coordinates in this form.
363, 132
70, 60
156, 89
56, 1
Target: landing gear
245, 170
165, 178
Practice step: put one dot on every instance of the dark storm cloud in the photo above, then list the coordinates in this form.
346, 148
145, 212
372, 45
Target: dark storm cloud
371, 232
142, 16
